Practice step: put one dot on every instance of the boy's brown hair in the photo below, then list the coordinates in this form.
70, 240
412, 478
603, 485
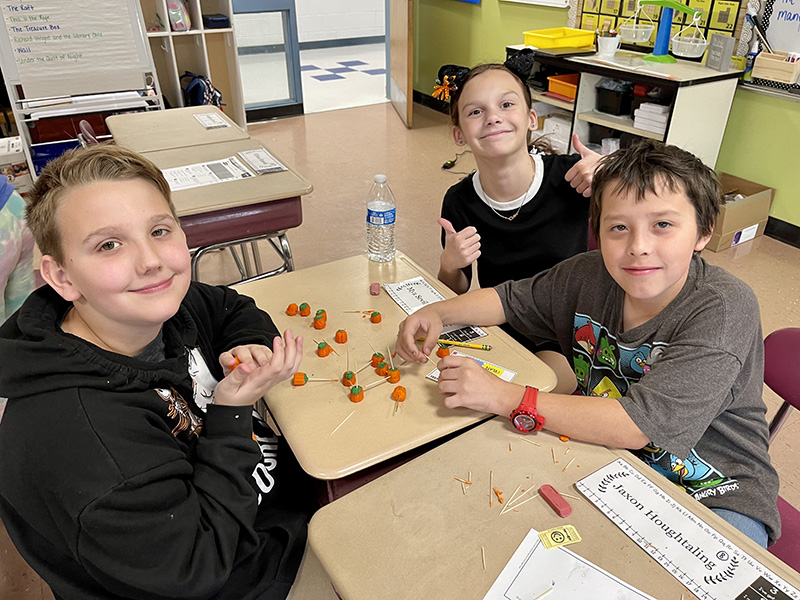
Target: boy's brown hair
644, 165
76, 168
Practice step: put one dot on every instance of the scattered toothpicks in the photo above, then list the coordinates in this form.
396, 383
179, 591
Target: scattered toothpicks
509, 446
568, 464
389, 354
342, 423
491, 487
369, 362
567, 450
524, 439
513, 503
374, 383
553, 452
483, 559
364, 312
347, 360
569, 496
518, 504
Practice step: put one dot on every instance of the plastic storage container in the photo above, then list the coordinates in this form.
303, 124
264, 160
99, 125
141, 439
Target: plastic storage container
614, 102
381, 214
565, 85
559, 37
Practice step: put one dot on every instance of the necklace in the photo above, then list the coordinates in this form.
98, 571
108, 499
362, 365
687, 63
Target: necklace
524, 198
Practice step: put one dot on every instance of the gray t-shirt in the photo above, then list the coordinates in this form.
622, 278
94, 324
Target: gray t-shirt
703, 356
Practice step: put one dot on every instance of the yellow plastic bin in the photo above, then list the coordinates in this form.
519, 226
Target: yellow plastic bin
559, 37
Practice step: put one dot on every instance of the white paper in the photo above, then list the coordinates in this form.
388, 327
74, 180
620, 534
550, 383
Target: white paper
702, 559
211, 121
501, 372
533, 569
413, 294
262, 161
208, 173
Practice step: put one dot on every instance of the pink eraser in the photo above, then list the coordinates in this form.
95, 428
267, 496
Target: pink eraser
555, 500
375, 289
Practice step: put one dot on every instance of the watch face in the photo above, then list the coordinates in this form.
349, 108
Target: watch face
524, 422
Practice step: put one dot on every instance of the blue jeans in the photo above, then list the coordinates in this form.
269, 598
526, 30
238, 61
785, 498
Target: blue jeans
753, 529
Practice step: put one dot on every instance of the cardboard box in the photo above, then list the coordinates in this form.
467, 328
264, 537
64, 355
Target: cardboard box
744, 219
13, 164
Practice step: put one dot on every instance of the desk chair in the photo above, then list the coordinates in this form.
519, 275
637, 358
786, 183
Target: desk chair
782, 376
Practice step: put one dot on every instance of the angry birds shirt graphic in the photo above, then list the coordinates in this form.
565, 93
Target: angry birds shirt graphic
604, 367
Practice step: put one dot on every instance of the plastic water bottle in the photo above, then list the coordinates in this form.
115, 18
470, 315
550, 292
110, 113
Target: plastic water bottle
380, 221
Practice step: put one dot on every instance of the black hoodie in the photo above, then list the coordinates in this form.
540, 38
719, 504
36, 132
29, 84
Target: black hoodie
119, 478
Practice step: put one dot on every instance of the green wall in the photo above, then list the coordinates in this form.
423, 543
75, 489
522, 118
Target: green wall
762, 139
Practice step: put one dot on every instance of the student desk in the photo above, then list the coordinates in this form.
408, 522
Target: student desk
222, 215
173, 128
308, 415
413, 533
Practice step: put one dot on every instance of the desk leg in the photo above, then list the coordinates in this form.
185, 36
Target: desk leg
285, 251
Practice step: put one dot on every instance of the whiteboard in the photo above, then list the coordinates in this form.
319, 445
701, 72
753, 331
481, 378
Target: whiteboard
59, 48
782, 23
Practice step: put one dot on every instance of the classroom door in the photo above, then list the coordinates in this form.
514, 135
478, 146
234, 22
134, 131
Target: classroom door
399, 55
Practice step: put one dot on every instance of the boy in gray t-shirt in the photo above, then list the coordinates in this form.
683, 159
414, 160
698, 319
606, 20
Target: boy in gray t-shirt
667, 350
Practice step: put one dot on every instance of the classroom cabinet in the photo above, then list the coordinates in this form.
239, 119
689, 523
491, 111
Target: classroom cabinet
698, 99
202, 49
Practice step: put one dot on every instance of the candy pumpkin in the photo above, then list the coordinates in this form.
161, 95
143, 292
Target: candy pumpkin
399, 393
323, 349
292, 309
443, 351
394, 375
377, 359
356, 393
348, 378
382, 369
299, 378
375, 317
340, 337
305, 309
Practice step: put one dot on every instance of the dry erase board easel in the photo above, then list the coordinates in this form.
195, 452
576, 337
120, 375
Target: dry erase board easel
90, 54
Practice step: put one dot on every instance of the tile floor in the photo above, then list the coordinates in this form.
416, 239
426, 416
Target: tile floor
332, 78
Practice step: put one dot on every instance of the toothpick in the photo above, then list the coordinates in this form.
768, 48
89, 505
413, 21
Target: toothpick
568, 496
359, 311
463, 488
467, 481
568, 464
396, 404
491, 488
553, 452
347, 360
518, 504
540, 596
520, 497
320, 379
509, 446
335, 351
389, 354
483, 558
567, 451
529, 441
371, 347
342, 423
374, 383
365, 366
510, 500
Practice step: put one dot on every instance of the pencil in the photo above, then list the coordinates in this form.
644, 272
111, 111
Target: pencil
465, 344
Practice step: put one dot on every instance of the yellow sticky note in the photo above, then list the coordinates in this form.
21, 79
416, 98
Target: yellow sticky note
559, 536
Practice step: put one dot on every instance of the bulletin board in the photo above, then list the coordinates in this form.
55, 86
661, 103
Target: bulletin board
781, 20
718, 16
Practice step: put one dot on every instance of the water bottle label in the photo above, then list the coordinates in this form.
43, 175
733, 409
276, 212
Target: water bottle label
380, 217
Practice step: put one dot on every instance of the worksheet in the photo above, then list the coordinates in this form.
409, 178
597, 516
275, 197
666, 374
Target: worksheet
535, 572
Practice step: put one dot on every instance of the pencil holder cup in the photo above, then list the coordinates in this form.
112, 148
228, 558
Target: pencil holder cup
607, 46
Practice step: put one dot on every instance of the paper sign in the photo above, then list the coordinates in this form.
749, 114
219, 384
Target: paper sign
209, 173
211, 121
559, 536
501, 372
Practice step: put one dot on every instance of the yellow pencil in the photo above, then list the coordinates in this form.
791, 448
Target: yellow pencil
465, 345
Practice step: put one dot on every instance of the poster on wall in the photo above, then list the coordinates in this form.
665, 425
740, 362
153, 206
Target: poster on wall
718, 16
76, 47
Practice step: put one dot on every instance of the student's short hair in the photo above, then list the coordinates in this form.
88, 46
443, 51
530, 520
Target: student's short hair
646, 164
80, 167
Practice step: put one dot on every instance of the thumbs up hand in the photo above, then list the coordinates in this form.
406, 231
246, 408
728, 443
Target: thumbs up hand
461, 248
582, 172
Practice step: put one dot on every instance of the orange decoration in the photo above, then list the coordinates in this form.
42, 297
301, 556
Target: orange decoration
299, 378
348, 378
305, 309
323, 349
382, 369
375, 317
443, 351
399, 393
340, 337
292, 309
394, 375
320, 322
377, 359
563, 438
356, 393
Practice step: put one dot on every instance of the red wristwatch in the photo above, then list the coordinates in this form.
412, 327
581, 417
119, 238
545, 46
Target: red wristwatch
524, 417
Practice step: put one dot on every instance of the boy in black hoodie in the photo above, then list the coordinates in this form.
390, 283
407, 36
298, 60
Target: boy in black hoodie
130, 465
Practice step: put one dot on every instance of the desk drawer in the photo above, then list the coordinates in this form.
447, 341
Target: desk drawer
242, 222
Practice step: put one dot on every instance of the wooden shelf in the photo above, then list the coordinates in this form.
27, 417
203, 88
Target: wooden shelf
619, 123
538, 97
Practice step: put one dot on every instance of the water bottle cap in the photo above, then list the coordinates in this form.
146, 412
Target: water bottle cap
380, 178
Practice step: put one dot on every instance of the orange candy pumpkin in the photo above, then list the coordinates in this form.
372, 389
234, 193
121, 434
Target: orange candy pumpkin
323, 349
382, 369
443, 351
399, 393
305, 309
377, 359
340, 337
375, 317
299, 378
292, 309
320, 322
348, 378
394, 375
356, 393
